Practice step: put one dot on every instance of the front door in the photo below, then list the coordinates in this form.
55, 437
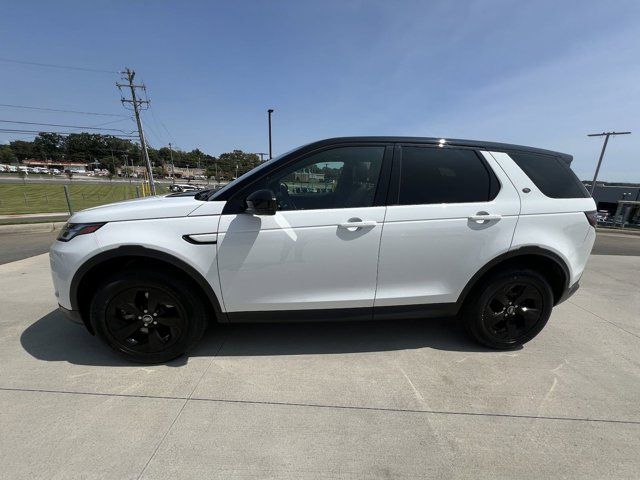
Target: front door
320, 250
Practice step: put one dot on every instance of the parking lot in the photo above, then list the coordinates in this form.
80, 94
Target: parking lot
403, 399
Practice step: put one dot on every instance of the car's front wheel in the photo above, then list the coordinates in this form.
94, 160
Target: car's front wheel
509, 308
147, 316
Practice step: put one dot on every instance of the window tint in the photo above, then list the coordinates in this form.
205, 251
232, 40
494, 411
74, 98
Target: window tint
344, 177
444, 175
551, 175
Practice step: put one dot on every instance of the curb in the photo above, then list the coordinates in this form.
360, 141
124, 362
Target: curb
620, 231
31, 227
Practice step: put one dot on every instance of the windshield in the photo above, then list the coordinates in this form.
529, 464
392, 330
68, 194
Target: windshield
250, 172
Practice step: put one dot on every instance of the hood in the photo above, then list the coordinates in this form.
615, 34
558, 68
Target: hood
139, 209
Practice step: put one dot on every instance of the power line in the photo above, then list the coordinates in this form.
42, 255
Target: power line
157, 137
112, 121
51, 65
63, 126
161, 123
24, 131
62, 111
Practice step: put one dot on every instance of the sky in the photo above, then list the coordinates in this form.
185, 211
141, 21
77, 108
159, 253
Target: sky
538, 73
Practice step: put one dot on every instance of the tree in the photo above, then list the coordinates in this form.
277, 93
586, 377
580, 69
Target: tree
227, 163
23, 150
84, 147
7, 155
48, 146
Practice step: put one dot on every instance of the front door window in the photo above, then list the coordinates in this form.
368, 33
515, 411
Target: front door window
344, 177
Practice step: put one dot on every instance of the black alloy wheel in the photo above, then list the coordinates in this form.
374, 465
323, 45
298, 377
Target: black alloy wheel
145, 319
149, 316
508, 308
513, 310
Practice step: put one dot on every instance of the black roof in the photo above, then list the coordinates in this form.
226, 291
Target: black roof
490, 146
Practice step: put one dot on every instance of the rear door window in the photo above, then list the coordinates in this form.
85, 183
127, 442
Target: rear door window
551, 175
444, 175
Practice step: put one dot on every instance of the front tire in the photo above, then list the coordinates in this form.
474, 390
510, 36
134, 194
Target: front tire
509, 308
148, 317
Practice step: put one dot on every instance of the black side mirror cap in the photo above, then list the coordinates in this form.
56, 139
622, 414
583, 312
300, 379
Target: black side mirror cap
261, 202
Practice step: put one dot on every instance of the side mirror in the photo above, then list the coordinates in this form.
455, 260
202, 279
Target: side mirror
262, 202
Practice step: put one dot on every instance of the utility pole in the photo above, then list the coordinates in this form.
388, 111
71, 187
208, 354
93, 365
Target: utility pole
606, 136
270, 111
173, 173
129, 75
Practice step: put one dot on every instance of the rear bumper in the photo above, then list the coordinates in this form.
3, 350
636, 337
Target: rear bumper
569, 292
72, 315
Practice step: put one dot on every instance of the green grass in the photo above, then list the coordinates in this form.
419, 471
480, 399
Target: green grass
49, 198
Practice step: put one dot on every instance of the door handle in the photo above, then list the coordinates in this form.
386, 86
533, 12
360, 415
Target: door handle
482, 217
358, 224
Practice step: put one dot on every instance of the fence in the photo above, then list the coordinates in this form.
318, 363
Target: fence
47, 198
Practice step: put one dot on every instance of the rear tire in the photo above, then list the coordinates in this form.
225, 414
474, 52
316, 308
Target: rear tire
509, 308
147, 316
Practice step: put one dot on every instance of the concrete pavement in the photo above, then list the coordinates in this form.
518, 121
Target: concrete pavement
19, 245
404, 399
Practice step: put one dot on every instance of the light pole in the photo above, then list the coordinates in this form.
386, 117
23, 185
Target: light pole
606, 136
173, 176
270, 111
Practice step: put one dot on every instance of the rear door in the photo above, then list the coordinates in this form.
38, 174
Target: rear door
451, 210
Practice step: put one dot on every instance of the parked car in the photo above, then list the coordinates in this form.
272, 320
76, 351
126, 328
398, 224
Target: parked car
182, 187
384, 228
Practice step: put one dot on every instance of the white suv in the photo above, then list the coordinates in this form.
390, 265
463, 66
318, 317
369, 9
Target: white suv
345, 228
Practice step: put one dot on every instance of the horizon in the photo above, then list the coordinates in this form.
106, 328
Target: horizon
542, 76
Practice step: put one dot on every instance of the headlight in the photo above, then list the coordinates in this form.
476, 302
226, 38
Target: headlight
71, 230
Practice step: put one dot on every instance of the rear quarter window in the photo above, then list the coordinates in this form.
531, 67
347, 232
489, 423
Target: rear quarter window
551, 175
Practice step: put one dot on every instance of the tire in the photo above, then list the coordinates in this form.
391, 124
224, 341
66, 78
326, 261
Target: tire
509, 308
147, 316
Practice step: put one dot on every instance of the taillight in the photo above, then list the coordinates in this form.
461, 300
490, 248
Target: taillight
592, 218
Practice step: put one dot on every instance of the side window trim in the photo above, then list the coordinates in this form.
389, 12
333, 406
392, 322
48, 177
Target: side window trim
235, 205
393, 196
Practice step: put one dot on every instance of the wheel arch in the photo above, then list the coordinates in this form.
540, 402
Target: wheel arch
88, 276
548, 263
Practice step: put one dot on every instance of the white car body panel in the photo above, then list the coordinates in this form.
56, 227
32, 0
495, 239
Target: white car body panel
139, 209
428, 253
166, 235
298, 260
65, 259
556, 224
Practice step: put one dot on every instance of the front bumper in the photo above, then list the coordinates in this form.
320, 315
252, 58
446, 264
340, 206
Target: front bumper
72, 315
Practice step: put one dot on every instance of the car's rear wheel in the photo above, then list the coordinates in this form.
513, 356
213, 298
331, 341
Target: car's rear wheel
147, 316
509, 308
